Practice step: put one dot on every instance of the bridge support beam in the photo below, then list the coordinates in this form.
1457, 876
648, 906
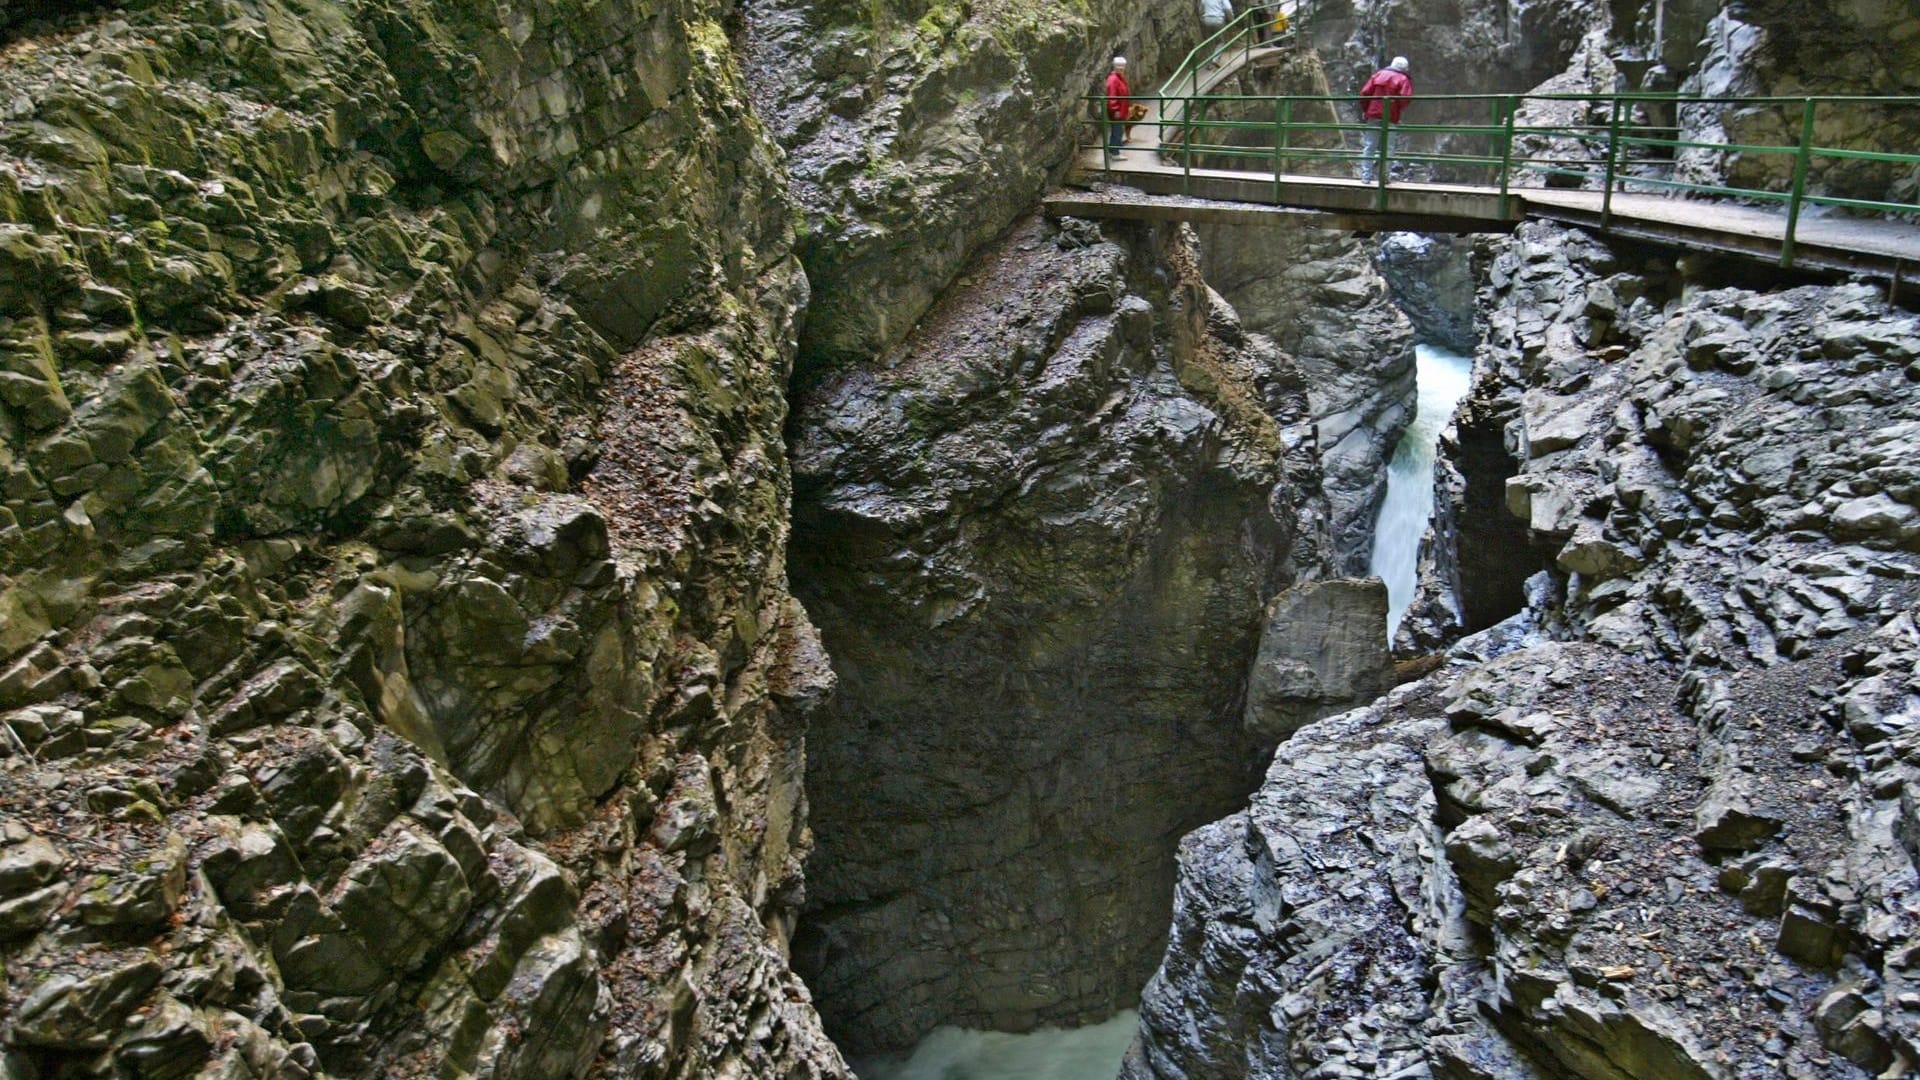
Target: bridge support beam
1136, 207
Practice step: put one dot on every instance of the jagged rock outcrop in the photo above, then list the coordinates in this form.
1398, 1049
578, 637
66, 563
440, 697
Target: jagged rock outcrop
1664, 827
397, 673
919, 130
1301, 931
1825, 47
1430, 278
1038, 538
1316, 292
1477, 559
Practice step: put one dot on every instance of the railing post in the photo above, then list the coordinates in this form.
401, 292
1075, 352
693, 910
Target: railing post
1280, 149
1802, 158
1381, 157
1512, 105
1186, 145
1493, 140
1613, 162
1279, 144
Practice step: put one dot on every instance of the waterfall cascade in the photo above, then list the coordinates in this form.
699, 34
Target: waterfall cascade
1443, 378
1094, 1052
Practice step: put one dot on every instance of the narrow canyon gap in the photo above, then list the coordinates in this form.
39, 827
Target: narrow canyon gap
450, 452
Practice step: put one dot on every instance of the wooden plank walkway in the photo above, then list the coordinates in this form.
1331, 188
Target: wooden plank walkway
1116, 203
1141, 166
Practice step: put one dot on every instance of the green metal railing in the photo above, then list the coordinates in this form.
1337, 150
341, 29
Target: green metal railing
1254, 26
1612, 143
1258, 25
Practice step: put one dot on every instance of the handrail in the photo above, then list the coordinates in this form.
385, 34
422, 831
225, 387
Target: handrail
1240, 32
1611, 143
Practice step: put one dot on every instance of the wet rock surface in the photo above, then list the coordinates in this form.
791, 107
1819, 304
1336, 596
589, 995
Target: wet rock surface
1318, 295
919, 132
1321, 652
397, 673
1038, 539
1654, 827
1779, 48
1431, 280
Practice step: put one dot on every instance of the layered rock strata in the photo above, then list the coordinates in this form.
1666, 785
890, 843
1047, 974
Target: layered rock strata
397, 672
1038, 538
1660, 826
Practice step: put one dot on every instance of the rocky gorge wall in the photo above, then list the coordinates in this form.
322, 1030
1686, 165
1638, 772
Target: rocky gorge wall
398, 669
1654, 824
1317, 293
1658, 824
918, 131
1039, 527
1452, 46
396, 664
1774, 48
1039, 540
399, 673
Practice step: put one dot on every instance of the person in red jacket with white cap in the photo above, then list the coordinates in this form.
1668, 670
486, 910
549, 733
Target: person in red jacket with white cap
1119, 103
1386, 93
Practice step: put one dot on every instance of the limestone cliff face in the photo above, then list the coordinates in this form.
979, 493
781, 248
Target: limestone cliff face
919, 130
397, 671
1038, 537
1660, 824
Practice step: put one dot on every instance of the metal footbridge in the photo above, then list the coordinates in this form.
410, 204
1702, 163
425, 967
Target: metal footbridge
1623, 164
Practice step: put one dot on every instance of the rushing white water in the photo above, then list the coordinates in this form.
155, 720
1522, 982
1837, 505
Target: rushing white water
1086, 1053
1443, 379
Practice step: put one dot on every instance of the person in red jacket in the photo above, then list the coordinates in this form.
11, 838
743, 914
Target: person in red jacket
1386, 92
1119, 102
